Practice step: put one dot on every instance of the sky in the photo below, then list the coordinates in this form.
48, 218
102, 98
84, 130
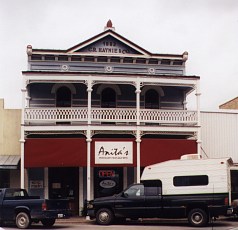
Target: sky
206, 29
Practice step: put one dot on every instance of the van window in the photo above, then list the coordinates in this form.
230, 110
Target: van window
190, 180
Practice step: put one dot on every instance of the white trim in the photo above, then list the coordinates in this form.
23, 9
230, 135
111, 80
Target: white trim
162, 81
179, 129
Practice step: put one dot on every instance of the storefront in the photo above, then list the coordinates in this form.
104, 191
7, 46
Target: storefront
97, 113
57, 166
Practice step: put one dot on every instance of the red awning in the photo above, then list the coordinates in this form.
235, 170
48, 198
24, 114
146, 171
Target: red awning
55, 152
72, 152
157, 150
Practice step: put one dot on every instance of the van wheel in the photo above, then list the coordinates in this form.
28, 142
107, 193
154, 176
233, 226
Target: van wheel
104, 216
23, 220
197, 217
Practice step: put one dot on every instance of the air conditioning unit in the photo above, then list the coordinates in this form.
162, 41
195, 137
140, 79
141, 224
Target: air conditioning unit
193, 156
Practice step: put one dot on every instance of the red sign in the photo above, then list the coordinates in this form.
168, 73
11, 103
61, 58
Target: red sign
106, 173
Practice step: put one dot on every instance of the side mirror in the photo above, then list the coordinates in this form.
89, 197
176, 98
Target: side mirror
124, 194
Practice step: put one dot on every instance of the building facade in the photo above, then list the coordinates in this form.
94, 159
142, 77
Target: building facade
10, 148
232, 104
95, 114
219, 134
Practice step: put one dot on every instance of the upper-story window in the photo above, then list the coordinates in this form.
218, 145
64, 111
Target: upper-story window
108, 98
151, 99
63, 97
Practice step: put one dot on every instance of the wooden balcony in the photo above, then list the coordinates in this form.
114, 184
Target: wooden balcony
44, 116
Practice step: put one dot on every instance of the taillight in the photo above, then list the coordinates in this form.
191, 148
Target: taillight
226, 201
44, 206
70, 206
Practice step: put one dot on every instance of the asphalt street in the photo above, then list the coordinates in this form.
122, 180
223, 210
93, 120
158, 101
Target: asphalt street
145, 224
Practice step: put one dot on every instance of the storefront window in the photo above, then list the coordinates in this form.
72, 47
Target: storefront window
4, 178
107, 181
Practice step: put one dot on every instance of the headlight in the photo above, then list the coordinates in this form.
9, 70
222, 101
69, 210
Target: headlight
90, 205
234, 203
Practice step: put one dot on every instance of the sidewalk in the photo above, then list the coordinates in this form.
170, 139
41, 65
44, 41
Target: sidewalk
75, 220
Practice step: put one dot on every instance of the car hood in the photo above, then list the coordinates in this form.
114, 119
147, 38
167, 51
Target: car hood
106, 198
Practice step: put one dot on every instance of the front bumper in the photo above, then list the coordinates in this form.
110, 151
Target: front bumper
91, 213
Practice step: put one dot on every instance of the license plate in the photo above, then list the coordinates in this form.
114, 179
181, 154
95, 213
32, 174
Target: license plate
60, 215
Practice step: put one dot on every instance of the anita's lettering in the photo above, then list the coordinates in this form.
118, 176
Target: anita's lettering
113, 152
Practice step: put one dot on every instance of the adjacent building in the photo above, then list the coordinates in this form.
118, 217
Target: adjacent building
10, 148
232, 104
95, 114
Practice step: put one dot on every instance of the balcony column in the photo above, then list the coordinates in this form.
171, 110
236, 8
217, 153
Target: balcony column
138, 91
199, 141
138, 137
22, 140
138, 141
89, 90
89, 140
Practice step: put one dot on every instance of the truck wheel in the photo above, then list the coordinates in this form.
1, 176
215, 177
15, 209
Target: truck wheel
48, 222
23, 220
198, 217
104, 216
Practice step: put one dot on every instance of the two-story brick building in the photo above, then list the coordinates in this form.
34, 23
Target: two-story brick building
10, 148
95, 114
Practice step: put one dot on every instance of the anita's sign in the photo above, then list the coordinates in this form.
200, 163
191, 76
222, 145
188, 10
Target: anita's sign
113, 152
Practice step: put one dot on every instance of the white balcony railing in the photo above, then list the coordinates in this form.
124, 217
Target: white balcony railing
110, 115
121, 115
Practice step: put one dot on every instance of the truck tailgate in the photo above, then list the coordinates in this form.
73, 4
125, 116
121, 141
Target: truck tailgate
57, 204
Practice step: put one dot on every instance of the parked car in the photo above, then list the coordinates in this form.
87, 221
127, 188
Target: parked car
194, 189
17, 206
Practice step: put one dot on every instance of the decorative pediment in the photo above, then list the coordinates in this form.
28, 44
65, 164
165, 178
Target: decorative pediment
108, 45
108, 42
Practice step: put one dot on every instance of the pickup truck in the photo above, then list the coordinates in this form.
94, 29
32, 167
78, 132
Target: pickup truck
17, 206
147, 201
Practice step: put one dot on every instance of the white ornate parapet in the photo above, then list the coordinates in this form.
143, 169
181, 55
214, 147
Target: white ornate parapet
42, 115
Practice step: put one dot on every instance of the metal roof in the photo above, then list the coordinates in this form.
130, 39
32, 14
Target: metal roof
9, 161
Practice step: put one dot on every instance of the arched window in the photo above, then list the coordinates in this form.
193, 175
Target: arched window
151, 99
108, 98
63, 97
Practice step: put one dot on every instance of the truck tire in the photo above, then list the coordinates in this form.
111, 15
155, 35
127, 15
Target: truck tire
104, 216
198, 217
23, 220
48, 222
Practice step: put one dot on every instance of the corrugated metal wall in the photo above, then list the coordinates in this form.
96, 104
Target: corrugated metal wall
220, 134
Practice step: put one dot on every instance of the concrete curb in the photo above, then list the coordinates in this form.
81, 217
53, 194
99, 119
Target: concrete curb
75, 220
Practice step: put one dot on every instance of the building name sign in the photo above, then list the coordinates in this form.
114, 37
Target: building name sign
108, 47
113, 152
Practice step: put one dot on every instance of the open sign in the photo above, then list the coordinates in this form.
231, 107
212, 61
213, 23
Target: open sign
106, 173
